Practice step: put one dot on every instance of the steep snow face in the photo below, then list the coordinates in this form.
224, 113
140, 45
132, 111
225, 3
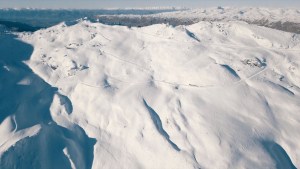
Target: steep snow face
208, 95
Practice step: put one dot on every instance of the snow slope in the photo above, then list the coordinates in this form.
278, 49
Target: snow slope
208, 95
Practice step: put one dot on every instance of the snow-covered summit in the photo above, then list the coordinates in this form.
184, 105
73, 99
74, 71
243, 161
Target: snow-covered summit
208, 95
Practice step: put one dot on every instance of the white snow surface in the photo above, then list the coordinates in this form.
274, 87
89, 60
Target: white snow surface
209, 95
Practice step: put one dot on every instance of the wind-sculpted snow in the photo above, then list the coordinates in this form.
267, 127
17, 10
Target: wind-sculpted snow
282, 160
207, 95
158, 124
29, 136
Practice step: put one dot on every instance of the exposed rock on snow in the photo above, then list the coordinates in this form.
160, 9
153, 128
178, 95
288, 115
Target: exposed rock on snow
253, 62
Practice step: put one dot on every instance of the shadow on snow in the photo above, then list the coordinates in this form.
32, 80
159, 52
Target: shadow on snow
26, 98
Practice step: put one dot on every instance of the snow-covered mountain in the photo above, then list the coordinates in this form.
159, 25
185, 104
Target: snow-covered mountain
207, 95
276, 18
246, 13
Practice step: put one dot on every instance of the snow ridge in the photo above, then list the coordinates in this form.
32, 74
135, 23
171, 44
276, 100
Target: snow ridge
206, 95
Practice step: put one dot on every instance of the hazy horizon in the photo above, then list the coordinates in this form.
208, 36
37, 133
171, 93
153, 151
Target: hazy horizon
93, 4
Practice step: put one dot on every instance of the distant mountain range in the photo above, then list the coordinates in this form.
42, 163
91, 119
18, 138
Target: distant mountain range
33, 19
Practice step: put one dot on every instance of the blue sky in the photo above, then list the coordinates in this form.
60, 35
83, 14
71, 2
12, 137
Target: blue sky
94, 4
